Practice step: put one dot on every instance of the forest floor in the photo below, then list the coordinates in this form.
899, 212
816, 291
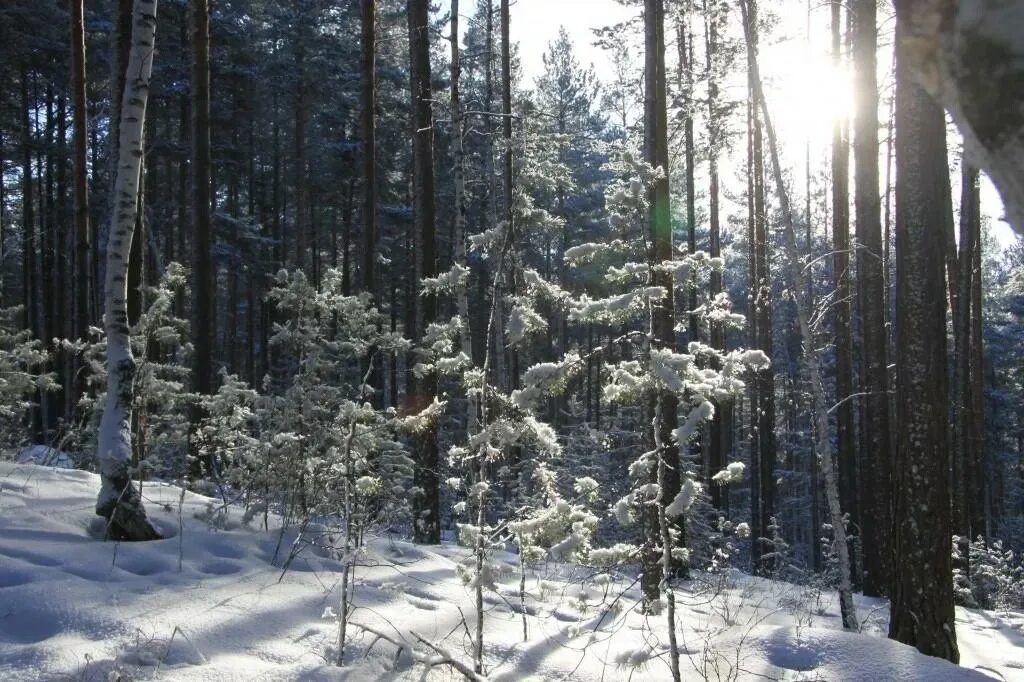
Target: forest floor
209, 603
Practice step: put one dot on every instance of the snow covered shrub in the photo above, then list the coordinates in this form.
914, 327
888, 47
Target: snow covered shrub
643, 370
161, 397
22, 375
318, 448
991, 577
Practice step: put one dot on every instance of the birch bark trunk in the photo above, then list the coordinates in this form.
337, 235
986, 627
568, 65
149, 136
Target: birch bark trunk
119, 502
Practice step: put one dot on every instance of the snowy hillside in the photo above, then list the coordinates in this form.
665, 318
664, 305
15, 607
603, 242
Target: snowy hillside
209, 604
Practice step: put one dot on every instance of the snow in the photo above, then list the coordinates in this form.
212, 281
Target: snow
206, 603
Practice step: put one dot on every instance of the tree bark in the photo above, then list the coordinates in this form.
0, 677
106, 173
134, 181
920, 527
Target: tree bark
720, 425
842, 334
83, 246
921, 611
119, 502
875, 457
662, 313
426, 505
763, 457
203, 286
368, 125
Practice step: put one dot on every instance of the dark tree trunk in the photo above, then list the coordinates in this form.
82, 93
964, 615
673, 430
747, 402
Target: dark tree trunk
875, 459
720, 424
922, 612
662, 321
368, 125
763, 418
968, 448
426, 505
203, 285
83, 246
845, 449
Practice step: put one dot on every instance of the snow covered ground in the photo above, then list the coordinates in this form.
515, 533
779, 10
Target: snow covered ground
209, 604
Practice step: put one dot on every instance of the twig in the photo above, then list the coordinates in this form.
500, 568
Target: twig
446, 658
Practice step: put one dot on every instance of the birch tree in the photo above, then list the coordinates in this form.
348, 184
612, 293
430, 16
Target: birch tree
119, 502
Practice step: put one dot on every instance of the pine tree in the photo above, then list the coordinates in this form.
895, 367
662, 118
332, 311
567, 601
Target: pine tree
921, 612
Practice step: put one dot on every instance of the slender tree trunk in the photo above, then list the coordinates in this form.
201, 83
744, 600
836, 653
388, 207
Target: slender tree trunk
368, 125
459, 210
763, 457
921, 611
27, 209
507, 175
83, 246
845, 449
720, 425
301, 148
119, 502
426, 505
684, 41
968, 448
823, 437
875, 458
662, 323
203, 285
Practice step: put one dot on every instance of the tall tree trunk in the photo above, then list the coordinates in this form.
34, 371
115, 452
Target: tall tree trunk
720, 424
662, 322
921, 611
763, 456
823, 439
28, 226
119, 502
968, 447
426, 505
508, 214
845, 449
203, 285
83, 246
459, 209
875, 458
684, 41
368, 125
301, 147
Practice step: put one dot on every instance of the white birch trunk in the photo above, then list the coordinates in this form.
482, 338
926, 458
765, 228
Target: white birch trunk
118, 500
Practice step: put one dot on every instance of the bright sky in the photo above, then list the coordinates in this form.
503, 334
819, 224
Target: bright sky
535, 23
804, 92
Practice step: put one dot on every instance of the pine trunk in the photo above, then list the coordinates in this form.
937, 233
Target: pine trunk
921, 611
203, 290
426, 478
662, 323
875, 457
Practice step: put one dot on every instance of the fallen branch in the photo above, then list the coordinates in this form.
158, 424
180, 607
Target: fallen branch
444, 657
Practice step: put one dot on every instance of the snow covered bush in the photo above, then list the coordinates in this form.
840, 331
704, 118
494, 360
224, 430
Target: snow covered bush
990, 577
160, 413
317, 435
22, 376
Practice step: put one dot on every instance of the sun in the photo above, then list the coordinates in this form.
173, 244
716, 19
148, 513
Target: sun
807, 94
